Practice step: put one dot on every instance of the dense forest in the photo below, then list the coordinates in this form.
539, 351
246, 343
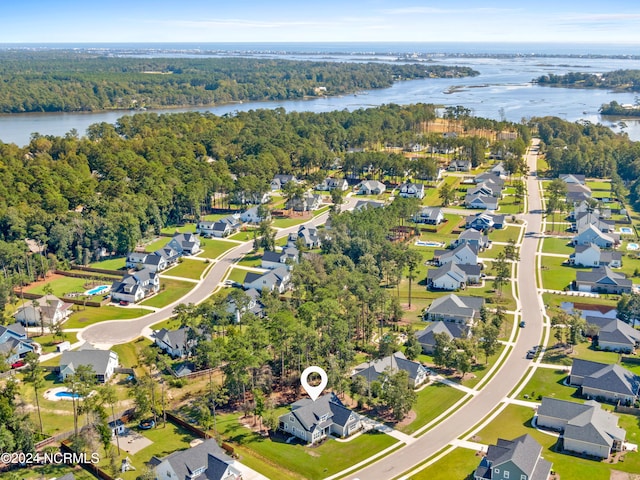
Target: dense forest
628, 80
121, 183
66, 81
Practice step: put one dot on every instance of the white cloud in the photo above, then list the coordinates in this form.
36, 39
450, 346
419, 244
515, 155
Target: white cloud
446, 11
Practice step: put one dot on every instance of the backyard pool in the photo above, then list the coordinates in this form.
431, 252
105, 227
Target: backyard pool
100, 289
632, 246
65, 394
422, 243
626, 230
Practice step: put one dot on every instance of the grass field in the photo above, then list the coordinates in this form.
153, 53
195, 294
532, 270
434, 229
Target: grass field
188, 268
212, 248
156, 244
557, 245
90, 315
52, 471
237, 275
548, 383
510, 232
110, 264
129, 353
47, 341
583, 350
432, 401
458, 465
555, 275
62, 286
170, 291
251, 260
243, 236
186, 228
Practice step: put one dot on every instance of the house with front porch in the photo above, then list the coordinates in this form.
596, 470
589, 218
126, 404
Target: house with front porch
517, 459
426, 336
411, 190
103, 362
429, 216
464, 310
392, 364
14, 343
46, 310
135, 286
463, 254
603, 279
311, 421
590, 255
481, 201
607, 381
452, 276
278, 279
185, 243
485, 221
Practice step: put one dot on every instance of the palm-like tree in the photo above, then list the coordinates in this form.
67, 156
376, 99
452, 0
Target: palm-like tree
34, 374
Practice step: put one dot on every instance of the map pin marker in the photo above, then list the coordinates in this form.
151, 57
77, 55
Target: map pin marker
314, 392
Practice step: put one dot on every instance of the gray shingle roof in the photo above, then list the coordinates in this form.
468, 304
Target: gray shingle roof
606, 377
185, 462
456, 305
97, 359
453, 330
309, 413
392, 363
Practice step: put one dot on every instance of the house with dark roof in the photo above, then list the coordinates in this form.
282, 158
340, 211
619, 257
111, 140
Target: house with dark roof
586, 428
254, 305
484, 221
517, 459
392, 364
452, 276
603, 279
583, 220
135, 286
155, 262
481, 201
360, 204
47, 310
281, 180
591, 255
206, 461
174, 342
463, 254
309, 234
587, 207
577, 193
14, 343
429, 216
591, 234
311, 421
615, 335
103, 362
453, 308
601, 380
472, 237
426, 337
185, 243
278, 279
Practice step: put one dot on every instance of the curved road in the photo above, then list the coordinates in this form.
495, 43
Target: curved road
123, 331
505, 379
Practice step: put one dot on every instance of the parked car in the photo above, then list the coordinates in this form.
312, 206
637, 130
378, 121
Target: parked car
531, 354
523, 324
124, 303
18, 364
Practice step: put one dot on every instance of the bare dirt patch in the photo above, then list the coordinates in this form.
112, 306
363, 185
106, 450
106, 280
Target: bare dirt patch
411, 416
618, 475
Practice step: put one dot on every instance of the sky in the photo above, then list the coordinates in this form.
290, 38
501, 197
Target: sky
117, 21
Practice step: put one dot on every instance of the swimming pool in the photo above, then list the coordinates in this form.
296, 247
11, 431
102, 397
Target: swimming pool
98, 290
632, 246
67, 395
422, 243
626, 230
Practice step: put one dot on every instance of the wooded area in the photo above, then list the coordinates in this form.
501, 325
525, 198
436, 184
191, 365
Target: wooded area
615, 80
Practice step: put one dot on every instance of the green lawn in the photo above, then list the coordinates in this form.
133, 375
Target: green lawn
186, 228
557, 245
599, 185
47, 341
156, 244
62, 286
90, 315
212, 248
432, 401
170, 291
548, 383
492, 252
111, 264
243, 236
481, 369
251, 260
276, 459
555, 275
508, 206
188, 268
554, 300
456, 465
582, 350
51, 470
505, 234
129, 353
290, 222
237, 275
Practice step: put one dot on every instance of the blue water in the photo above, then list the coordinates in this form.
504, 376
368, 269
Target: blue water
98, 290
67, 395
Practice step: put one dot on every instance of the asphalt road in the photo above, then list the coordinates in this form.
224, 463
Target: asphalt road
123, 331
503, 382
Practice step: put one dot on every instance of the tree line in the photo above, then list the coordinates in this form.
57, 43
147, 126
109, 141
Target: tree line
628, 80
68, 81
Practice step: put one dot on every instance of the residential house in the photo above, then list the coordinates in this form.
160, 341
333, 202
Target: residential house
463, 254
517, 459
577, 193
222, 228
329, 184
284, 258
46, 310
473, 238
371, 187
174, 342
412, 190
603, 279
499, 170
309, 235
592, 234
488, 184
429, 216
254, 305
452, 276
252, 216
426, 337
453, 308
586, 428
243, 197
590, 255
135, 286
584, 219
587, 207
278, 279
170, 255
392, 364
615, 335
280, 181
601, 380
103, 362
307, 203
205, 461
185, 243
360, 204
480, 201
14, 343
484, 221
312, 421
573, 178
152, 261
460, 165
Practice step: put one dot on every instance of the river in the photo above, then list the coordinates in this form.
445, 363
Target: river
503, 90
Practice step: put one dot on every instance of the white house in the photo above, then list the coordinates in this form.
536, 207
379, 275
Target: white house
590, 255
46, 310
280, 181
463, 254
480, 201
278, 279
371, 187
103, 362
429, 216
251, 216
173, 342
592, 234
392, 364
412, 190
135, 286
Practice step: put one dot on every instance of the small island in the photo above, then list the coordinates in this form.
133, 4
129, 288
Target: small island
619, 80
620, 110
